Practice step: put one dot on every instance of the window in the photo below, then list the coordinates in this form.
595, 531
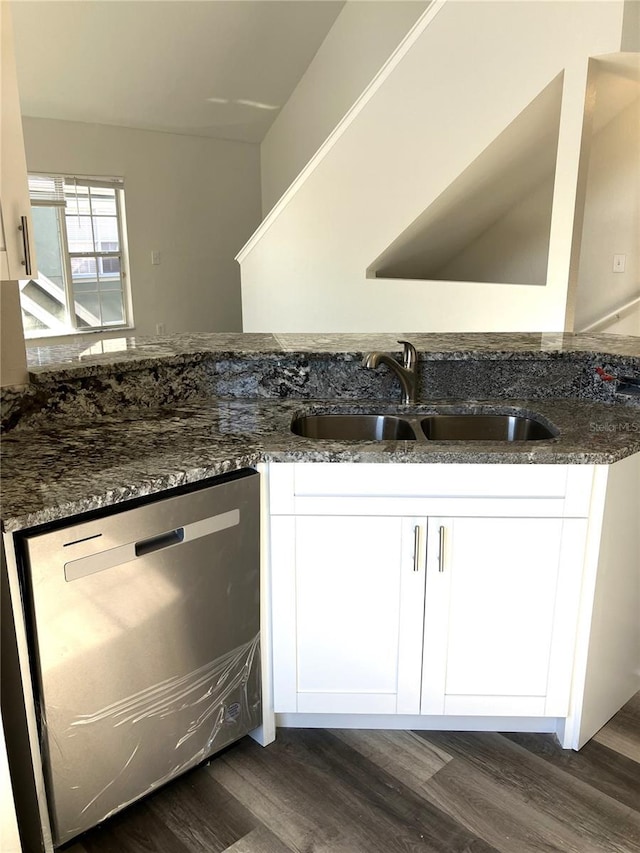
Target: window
78, 233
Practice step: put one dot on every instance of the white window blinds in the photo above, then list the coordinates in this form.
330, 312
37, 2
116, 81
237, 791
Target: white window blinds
47, 189
50, 189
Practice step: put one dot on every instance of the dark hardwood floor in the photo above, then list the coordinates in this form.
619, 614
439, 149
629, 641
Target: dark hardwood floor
320, 791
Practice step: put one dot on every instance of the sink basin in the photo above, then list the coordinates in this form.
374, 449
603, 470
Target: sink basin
469, 426
473, 427
353, 427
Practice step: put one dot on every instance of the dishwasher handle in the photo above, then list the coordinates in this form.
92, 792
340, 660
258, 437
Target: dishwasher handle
126, 553
157, 543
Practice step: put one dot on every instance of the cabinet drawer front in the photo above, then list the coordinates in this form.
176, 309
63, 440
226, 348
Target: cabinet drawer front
555, 491
442, 480
515, 507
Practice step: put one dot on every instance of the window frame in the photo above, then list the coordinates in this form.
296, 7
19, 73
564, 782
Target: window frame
70, 311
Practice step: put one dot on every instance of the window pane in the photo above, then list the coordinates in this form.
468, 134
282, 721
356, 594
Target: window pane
79, 233
43, 299
98, 296
87, 309
106, 233
112, 307
43, 307
85, 287
103, 201
99, 309
77, 198
110, 284
83, 270
70, 239
48, 247
109, 269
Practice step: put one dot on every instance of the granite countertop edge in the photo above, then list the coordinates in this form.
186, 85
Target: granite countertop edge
76, 361
147, 453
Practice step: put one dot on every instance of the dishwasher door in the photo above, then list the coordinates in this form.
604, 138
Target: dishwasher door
146, 645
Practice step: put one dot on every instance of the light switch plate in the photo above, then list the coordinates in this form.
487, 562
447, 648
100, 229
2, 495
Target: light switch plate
619, 263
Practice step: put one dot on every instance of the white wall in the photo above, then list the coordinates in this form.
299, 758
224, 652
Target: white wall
513, 249
360, 41
631, 26
194, 200
460, 84
627, 324
611, 220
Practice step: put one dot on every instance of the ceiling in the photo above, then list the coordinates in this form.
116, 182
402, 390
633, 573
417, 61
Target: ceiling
215, 68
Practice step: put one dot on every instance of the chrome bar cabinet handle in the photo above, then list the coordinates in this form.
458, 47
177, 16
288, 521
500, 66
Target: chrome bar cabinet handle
24, 227
441, 535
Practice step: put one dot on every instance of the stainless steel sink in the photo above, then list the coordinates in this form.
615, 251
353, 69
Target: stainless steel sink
440, 426
478, 427
354, 427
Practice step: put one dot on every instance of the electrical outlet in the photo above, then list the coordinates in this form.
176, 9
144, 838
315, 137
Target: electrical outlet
155, 258
160, 329
619, 263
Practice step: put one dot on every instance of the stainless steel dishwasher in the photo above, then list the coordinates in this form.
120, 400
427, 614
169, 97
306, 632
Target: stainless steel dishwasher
145, 627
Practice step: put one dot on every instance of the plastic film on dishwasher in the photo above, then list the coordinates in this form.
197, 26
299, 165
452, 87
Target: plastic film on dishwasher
208, 708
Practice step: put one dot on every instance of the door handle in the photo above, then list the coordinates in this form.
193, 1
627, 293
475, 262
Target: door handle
24, 227
441, 537
128, 551
416, 548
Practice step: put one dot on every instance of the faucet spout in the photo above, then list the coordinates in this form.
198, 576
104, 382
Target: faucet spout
405, 371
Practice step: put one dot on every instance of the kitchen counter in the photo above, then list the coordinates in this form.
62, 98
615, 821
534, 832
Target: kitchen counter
83, 442
64, 469
82, 358
100, 428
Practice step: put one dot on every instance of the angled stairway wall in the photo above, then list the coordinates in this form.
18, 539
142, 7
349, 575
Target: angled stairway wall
465, 72
492, 223
362, 38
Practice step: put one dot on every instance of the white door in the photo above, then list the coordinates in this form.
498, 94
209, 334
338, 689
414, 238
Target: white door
495, 642
356, 585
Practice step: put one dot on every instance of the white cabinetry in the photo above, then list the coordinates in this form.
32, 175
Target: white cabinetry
15, 208
17, 255
349, 614
409, 589
500, 615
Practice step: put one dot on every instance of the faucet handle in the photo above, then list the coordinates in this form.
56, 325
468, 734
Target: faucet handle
409, 355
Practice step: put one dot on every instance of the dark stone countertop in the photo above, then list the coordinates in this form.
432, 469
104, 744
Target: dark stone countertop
122, 419
64, 468
80, 358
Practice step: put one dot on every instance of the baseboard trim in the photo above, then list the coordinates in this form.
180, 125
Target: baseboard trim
416, 721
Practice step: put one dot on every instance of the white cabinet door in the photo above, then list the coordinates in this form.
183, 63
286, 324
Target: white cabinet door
348, 596
17, 252
500, 615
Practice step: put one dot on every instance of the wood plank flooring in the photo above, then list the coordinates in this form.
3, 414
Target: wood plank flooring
320, 791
